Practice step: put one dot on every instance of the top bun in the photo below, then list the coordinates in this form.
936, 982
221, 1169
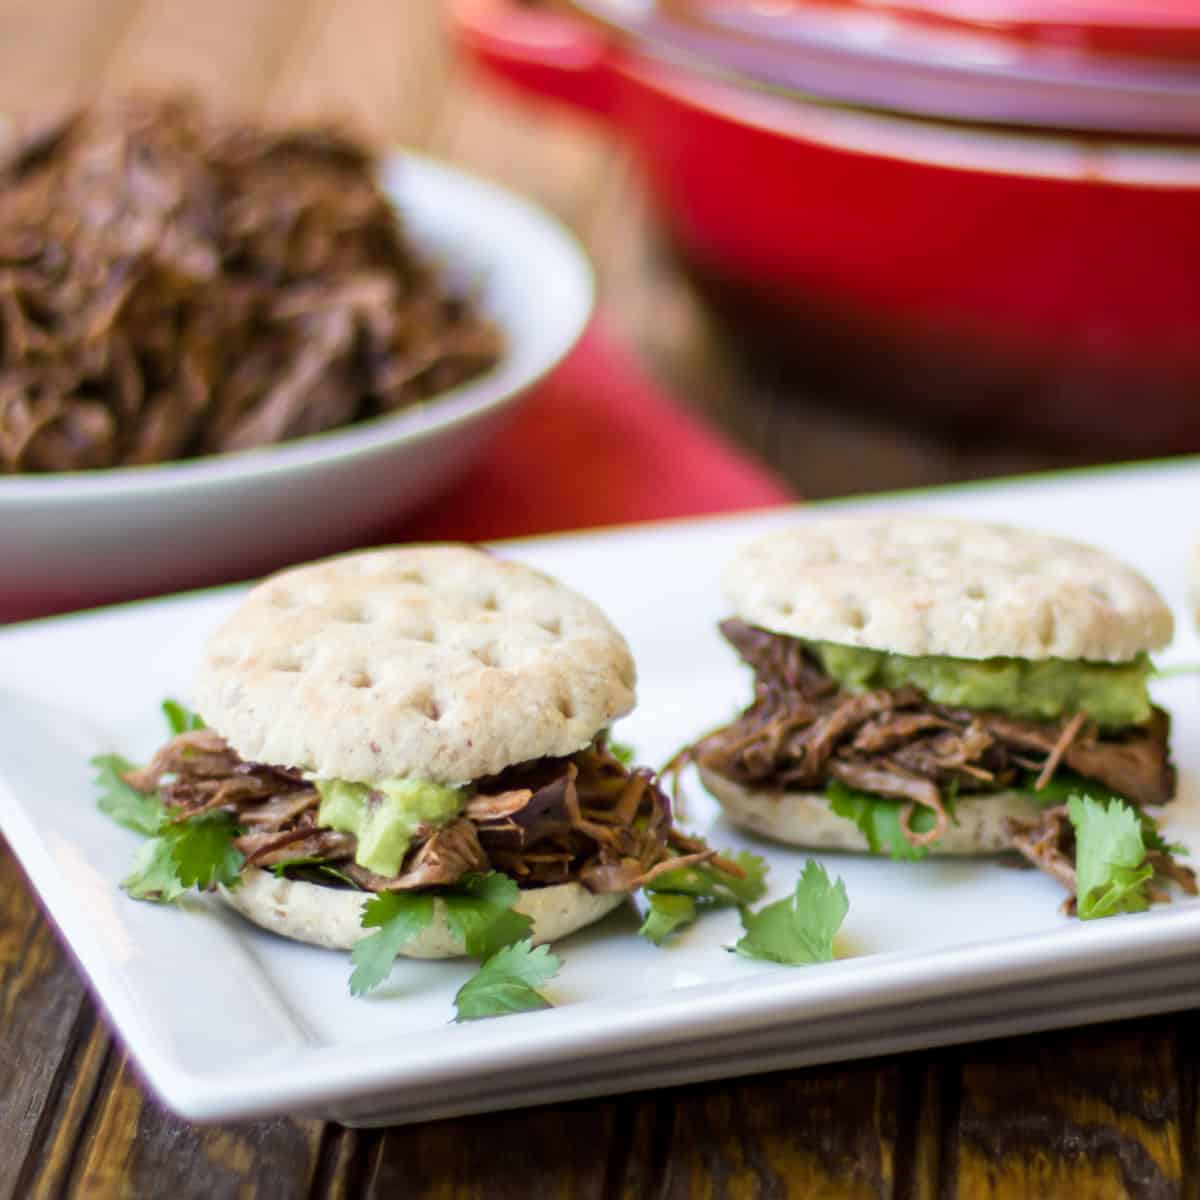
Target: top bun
433, 662
920, 585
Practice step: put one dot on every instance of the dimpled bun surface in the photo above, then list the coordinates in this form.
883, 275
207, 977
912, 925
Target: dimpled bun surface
920, 585
806, 818
437, 662
322, 916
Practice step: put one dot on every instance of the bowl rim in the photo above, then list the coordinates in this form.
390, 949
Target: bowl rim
437, 414
1120, 160
867, 57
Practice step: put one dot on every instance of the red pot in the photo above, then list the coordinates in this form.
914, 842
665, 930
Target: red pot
1028, 280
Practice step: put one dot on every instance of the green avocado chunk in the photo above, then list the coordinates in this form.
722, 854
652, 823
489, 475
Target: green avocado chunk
385, 816
1112, 694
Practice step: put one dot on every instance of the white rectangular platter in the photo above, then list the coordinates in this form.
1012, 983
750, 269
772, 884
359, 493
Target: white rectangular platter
225, 1020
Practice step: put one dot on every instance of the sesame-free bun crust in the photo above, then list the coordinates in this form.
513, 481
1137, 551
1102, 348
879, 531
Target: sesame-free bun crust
434, 662
331, 917
919, 585
806, 819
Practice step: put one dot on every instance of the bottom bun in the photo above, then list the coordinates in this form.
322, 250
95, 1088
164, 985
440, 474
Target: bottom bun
806, 818
331, 917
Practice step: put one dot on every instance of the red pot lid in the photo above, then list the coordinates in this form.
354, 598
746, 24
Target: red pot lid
1163, 29
1118, 66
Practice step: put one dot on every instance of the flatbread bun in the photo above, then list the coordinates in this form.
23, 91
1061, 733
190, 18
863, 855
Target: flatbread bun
330, 917
921, 585
439, 662
806, 819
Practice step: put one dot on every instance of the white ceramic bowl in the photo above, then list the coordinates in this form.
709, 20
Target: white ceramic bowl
87, 537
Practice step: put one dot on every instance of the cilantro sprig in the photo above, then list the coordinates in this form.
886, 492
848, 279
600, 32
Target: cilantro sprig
677, 898
398, 917
196, 853
1154, 841
799, 929
178, 854
878, 820
479, 910
155, 875
203, 852
1062, 786
665, 913
508, 982
127, 806
180, 718
623, 752
310, 863
1111, 871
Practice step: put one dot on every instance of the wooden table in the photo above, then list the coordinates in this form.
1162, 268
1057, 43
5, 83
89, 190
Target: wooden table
1095, 1113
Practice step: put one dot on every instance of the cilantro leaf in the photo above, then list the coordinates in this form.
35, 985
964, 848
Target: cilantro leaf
319, 867
705, 887
124, 804
749, 889
507, 983
1062, 786
479, 909
196, 853
203, 851
667, 912
399, 917
341, 876
623, 752
878, 820
1155, 841
280, 869
178, 855
155, 875
1110, 858
180, 718
710, 883
799, 929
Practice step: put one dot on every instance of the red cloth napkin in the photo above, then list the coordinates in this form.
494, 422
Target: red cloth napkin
598, 444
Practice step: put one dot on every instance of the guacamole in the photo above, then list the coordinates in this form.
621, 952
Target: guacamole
1112, 694
385, 816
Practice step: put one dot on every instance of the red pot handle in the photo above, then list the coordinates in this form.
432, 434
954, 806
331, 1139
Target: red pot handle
542, 53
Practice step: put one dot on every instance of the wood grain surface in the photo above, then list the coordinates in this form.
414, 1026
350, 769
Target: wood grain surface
1105, 1112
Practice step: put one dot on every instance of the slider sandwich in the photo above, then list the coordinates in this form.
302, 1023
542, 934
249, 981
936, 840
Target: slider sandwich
926, 685
412, 721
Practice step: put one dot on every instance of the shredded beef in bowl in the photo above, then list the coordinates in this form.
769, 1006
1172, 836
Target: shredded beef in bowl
175, 285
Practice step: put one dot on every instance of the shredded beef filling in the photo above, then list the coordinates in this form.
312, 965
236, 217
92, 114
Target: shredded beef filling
803, 731
585, 819
174, 285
